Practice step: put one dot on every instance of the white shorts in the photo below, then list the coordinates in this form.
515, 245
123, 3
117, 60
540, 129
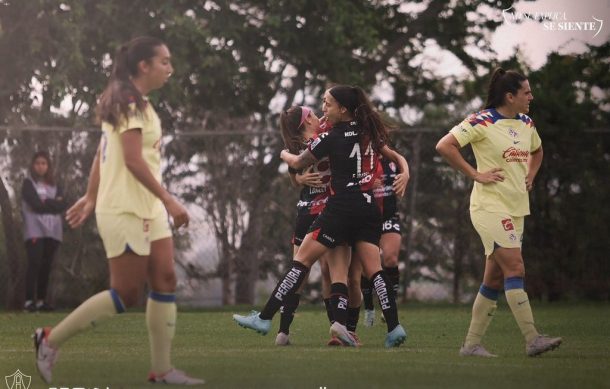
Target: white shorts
497, 229
127, 231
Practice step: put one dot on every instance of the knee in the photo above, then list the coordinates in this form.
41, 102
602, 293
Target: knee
354, 282
390, 259
165, 282
496, 284
517, 269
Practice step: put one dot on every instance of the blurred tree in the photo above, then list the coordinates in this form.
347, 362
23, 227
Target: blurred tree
567, 234
237, 64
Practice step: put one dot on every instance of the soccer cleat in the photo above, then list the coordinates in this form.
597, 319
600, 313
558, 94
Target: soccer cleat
46, 356
356, 338
282, 339
253, 322
541, 344
334, 341
369, 317
340, 331
174, 377
476, 350
396, 337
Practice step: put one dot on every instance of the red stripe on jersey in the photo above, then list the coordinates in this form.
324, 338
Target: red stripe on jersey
315, 234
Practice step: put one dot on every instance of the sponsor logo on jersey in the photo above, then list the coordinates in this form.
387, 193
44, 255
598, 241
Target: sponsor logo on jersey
328, 238
350, 133
513, 154
312, 204
315, 143
316, 190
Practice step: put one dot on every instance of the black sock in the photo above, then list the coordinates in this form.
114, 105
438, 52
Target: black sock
338, 302
353, 314
387, 302
291, 304
329, 310
367, 293
288, 285
393, 276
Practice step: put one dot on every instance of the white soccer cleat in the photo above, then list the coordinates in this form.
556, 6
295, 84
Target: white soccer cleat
46, 356
476, 350
340, 331
541, 344
282, 339
369, 317
174, 377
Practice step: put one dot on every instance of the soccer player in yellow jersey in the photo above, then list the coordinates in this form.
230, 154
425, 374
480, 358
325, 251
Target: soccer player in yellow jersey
132, 209
508, 153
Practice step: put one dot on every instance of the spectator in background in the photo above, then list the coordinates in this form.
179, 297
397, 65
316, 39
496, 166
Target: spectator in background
42, 205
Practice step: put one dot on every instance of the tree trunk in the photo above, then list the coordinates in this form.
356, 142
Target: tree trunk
225, 270
414, 171
247, 262
460, 246
16, 284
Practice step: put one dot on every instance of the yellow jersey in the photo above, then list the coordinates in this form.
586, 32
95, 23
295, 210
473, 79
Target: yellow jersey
499, 142
119, 191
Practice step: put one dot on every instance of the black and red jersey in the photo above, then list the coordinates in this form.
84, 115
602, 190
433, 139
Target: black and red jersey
354, 165
384, 193
313, 200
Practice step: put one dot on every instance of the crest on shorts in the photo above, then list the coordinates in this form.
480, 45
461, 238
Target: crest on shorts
508, 224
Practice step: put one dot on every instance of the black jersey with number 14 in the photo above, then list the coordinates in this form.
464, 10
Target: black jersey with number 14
354, 164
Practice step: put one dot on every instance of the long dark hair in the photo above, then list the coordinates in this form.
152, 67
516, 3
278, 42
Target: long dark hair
502, 82
120, 91
291, 129
48, 176
372, 125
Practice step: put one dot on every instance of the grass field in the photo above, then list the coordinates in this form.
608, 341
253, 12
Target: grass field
208, 344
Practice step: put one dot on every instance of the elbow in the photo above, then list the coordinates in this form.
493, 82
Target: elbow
440, 148
131, 164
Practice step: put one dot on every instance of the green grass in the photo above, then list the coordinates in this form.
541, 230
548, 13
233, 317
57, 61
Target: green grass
208, 344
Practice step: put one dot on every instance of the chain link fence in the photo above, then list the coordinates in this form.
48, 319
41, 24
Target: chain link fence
242, 210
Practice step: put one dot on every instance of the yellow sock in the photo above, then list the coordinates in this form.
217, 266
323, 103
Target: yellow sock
522, 311
97, 308
483, 311
161, 323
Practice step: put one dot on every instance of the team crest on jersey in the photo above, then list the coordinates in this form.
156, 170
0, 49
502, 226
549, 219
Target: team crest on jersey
513, 133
